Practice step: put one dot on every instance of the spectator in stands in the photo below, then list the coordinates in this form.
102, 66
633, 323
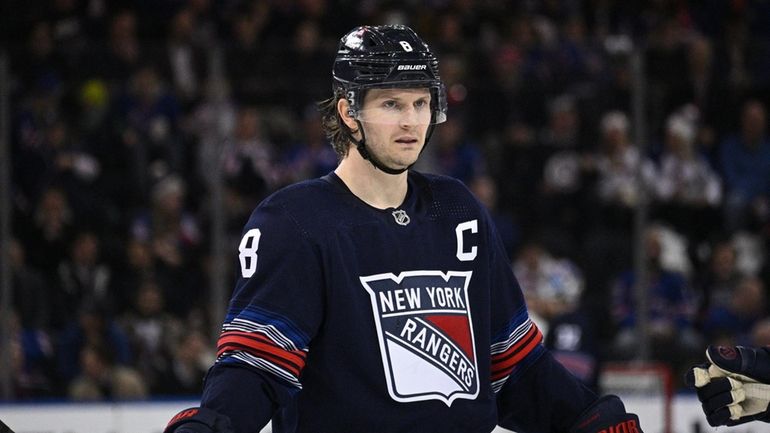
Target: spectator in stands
82, 277
123, 53
667, 50
168, 217
671, 304
449, 38
616, 177
716, 283
37, 58
210, 126
191, 358
760, 333
70, 162
562, 189
102, 380
32, 361
617, 163
562, 132
51, 230
745, 162
306, 80
454, 73
247, 62
515, 85
100, 160
705, 90
31, 296
136, 265
553, 288
453, 153
184, 63
574, 343
577, 58
485, 190
93, 99
545, 278
38, 109
733, 323
248, 162
153, 334
93, 327
150, 129
516, 167
687, 188
312, 156
60, 158
69, 28
173, 233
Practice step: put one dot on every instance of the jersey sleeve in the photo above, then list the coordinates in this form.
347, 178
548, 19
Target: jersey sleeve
514, 347
545, 397
516, 341
534, 392
274, 312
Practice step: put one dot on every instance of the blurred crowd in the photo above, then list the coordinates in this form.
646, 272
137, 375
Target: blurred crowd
125, 114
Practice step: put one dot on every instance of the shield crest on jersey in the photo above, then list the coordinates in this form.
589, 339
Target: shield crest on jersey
425, 332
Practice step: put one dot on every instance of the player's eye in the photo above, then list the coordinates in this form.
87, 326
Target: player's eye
420, 103
390, 104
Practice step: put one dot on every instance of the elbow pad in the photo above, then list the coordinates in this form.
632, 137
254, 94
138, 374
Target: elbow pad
199, 420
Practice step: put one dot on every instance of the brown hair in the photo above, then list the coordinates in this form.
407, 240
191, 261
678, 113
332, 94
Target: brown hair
334, 128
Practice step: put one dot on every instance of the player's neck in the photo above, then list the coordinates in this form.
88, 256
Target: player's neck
373, 186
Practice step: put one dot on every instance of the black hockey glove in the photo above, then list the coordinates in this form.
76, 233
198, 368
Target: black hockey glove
199, 420
734, 386
608, 414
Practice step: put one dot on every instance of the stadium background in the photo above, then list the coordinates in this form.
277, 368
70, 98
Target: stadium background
620, 146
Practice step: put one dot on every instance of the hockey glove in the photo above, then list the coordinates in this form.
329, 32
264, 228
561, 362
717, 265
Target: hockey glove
607, 415
199, 420
733, 387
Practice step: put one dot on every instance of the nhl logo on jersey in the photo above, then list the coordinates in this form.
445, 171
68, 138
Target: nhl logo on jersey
425, 332
401, 217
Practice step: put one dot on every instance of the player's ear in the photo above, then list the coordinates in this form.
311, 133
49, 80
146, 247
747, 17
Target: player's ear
342, 110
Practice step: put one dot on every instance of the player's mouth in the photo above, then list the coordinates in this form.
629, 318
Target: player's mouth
407, 139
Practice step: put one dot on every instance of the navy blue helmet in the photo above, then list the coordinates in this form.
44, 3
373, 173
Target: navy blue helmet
387, 56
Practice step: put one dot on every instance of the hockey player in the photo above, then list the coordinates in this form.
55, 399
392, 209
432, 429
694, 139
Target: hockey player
734, 386
378, 299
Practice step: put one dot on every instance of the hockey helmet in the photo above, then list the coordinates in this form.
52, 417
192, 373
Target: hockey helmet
388, 56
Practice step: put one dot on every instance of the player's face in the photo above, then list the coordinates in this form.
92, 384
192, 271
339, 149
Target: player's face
395, 122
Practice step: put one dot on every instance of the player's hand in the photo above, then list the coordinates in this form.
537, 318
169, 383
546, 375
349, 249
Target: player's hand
608, 414
734, 386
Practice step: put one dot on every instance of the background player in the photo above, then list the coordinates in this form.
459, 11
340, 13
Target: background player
380, 299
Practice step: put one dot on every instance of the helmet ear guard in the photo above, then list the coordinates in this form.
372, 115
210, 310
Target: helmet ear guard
353, 106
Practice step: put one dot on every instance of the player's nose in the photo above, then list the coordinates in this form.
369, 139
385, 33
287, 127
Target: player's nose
409, 117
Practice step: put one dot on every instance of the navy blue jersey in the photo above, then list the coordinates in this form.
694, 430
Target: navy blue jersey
359, 319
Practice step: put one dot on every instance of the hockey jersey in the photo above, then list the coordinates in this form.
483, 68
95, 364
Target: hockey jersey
360, 319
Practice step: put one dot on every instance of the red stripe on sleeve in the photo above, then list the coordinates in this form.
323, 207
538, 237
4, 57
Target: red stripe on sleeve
293, 361
263, 339
503, 363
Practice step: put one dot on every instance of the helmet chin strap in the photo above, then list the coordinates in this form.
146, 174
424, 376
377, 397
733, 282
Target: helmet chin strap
362, 149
